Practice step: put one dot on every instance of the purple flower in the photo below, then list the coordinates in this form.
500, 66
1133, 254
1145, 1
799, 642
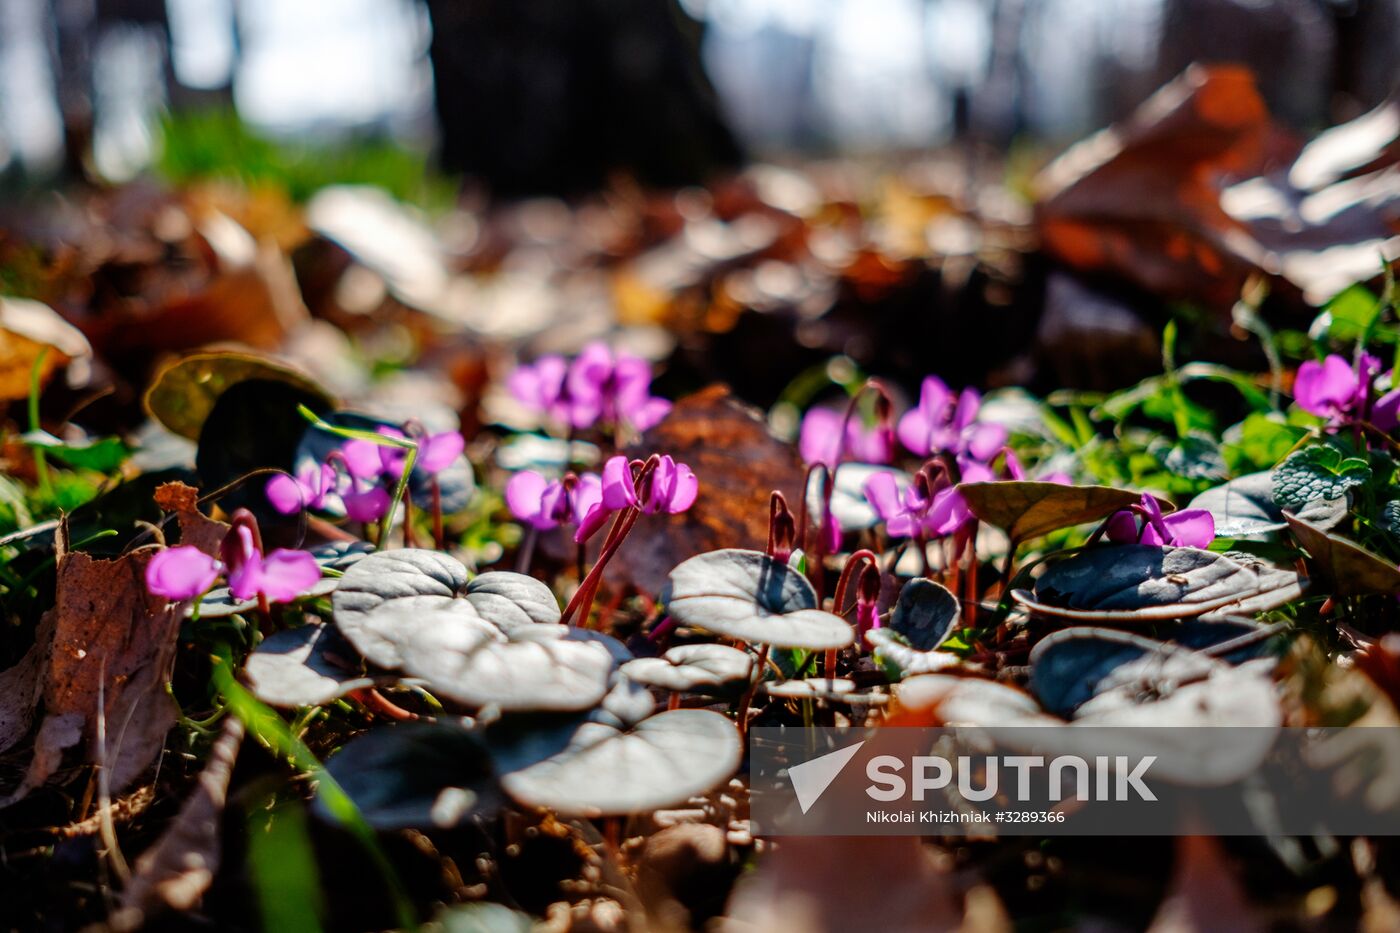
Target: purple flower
672, 488
820, 439
1338, 391
306, 490
599, 385
921, 510
1328, 389
362, 459
1187, 528
181, 573
539, 386
1015, 471
280, 576
942, 423
364, 502
544, 504
435, 452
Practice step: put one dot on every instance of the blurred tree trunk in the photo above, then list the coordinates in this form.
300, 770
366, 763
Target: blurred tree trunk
553, 96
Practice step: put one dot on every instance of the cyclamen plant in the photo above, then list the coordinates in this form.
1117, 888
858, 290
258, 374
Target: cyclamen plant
184, 573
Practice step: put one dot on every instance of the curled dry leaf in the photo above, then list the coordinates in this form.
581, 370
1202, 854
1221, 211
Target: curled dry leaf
1347, 568
28, 329
1025, 510
175, 872
1138, 583
114, 639
183, 394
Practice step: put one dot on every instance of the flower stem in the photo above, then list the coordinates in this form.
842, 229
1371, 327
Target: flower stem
439, 537
621, 527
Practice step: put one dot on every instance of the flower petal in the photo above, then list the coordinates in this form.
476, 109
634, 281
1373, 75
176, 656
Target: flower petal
286, 574
181, 573
523, 494
819, 437
437, 451
286, 494
882, 492
619, 488
1191, 528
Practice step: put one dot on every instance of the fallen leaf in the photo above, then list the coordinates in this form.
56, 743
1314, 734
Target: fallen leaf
27, 329
175, 872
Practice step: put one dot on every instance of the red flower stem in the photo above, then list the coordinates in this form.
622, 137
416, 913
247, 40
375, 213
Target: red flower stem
439, 537
621, 527
379, 704
408, 539
762, 667
853, 563
970, 600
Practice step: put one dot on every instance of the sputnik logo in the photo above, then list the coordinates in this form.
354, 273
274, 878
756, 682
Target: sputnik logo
811, 778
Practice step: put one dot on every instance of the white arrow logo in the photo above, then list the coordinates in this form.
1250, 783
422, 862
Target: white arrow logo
811, 778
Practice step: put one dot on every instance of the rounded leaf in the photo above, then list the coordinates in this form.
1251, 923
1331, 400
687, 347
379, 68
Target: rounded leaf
385, 595
894, 648
748, 595
926, 613
1138, 582
693, 668
1245, 508
810, 688
512, 600
604, 771
545, 667
416, 776
303, 666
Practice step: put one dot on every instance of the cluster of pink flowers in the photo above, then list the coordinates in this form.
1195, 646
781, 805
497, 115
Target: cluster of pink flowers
182, 573
588, 501
599, 386
358, 475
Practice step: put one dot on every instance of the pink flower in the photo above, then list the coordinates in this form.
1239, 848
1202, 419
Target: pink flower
306, 490
362, 459
942, 423
539, 386
435, 452
181, 573
364, 502
1187, 528
921, 510
1338, 391
672, 488
544, 504
820, 440
280, 576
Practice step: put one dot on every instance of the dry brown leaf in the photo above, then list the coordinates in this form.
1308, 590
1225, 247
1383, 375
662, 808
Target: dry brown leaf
19, 687
196, 529
738, 464
27, 329
176, 871
1142, 199
111, 638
